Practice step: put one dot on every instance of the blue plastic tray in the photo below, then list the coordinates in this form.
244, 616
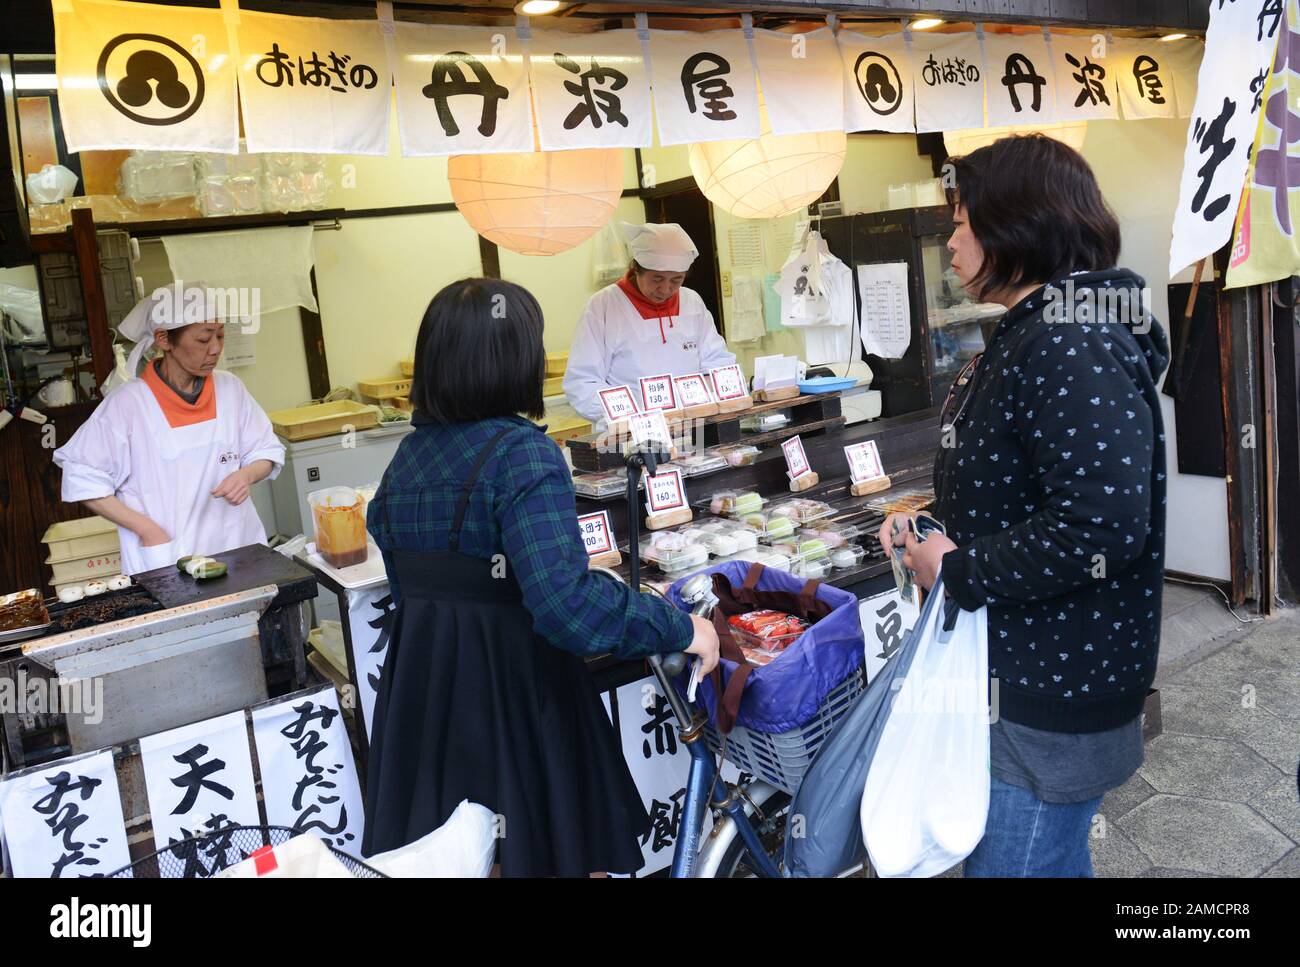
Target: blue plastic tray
826, 384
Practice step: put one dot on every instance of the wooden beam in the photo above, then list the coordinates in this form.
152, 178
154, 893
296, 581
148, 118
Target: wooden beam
85, 244
313, 345
490, 256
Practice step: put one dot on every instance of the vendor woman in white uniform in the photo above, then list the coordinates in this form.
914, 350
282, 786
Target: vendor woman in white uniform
170, 457
645, 324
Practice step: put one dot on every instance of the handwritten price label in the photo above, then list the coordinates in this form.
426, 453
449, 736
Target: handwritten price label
619, 403
728, 383
692, 391
864, 461
664, 491
597, 533
796, 460
650, 429
657, 393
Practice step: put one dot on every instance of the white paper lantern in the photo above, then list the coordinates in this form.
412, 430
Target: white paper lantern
768, 176
538, 203
966, 140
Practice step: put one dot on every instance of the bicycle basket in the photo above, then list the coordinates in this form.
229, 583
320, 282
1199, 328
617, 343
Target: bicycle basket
200, 857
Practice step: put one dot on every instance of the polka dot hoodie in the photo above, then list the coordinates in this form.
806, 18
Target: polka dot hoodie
1053, 489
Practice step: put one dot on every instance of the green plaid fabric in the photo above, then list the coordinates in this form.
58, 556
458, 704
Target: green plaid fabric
523, 507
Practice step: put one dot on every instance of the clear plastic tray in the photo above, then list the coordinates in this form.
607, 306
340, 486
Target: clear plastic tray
804, 511
673, 553
701, 463
797, 548
764, 422
816, 567
726, 502
905, 501
848, 557
737, 455
835, 535
605, 484
769, 527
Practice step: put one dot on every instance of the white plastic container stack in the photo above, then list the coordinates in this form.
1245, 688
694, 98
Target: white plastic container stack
82, 550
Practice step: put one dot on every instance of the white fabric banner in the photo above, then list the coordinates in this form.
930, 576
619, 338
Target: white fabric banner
878, 82
1085, 90
703, 85
1144, 77
948, 75
65, 820
1020, 82
309, 781
1186, 56
1219, 139
140, 75
275, 263
370, 620
313, 85
803, 80
461, 90
199, 779
590, 90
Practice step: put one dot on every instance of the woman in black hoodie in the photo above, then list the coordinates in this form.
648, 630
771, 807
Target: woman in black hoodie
1050, 481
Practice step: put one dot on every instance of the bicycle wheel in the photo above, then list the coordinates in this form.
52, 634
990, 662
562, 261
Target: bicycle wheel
735, 861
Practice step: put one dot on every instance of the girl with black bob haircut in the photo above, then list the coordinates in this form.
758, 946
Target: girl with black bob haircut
1051, 485
484, 693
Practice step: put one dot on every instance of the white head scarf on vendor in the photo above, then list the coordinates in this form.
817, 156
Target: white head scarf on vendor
167, 307
662, 248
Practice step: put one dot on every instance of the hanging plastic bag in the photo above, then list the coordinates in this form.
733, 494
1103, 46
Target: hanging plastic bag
926, 796
120, 375
829, 800
804, 299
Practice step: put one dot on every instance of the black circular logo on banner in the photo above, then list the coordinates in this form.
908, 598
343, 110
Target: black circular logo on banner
878, 82
153, 70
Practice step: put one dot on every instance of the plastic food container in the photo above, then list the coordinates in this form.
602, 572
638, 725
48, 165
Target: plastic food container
835, 535
673, 553
770, 527
339, 514
763, 422
846, 558
902, 501
733, 503
771, 632
804, 511
738, 456
607, 484
701, 463
816, 567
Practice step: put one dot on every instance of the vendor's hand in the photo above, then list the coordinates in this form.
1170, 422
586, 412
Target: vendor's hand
235, 488
151, 535
704, 644
923, 557
886, 534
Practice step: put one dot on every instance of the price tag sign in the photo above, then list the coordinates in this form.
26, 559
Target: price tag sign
864, 461
650, 429
692, 390
728, 383
619, 403
597, 533
665, 491
796, 460
657, 393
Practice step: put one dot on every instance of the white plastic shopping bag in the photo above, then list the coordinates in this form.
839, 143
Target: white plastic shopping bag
926, 797
463, 847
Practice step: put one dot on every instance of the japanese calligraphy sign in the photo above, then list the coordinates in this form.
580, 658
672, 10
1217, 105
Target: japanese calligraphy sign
657, 393
65, 820
597, 533
309, 781
135, 75
1144, 77
1239, 50
692, 390
864, 461
703, 86
619, 403
313, 85
796, 460
948, 76
370, 620
591, 90
199, 779
461, 90
887, 620
728, 383
802, 78
649, 429
665, 491
1085, 78
1020, 82
877, 83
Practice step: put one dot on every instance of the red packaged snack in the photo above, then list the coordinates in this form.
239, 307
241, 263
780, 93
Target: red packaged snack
769, 630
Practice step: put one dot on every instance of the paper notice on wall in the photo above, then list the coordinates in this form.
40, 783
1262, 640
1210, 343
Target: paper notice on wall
886, 309
745, 243
239, 349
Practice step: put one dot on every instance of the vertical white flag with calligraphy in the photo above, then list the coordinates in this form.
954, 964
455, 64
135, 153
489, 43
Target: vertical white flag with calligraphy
1020, 82
877, 82
948, 75
802, 78
703, 86
140, 75
1222, 131
200, 780
461, 90
314, 85
309, 780
1144, 77
65, 820
590, 90
1085, 89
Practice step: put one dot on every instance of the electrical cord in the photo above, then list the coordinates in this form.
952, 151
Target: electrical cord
1226, 602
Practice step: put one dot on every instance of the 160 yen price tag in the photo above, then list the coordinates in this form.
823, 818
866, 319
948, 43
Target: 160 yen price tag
728, 383
864, 461
657, 393
796, 460
664, 492
597, 533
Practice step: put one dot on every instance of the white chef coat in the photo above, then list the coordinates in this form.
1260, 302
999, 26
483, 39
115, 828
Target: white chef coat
615, 346
128, 449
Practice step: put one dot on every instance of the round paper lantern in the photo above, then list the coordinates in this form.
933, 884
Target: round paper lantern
538, 203
966, 140
771, 175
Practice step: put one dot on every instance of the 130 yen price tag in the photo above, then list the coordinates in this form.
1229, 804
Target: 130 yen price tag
692, 391
796, 460
619, 403
664, 492
864, 461
597, 533
657, 393
728, 383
